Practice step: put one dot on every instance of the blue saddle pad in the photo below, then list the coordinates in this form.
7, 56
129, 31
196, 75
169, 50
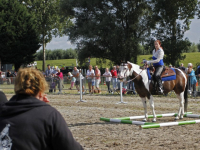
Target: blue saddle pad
169, 78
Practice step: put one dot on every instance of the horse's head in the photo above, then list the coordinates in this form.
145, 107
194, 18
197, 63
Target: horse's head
123, 71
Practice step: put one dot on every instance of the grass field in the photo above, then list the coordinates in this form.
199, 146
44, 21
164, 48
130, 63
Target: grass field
190, 58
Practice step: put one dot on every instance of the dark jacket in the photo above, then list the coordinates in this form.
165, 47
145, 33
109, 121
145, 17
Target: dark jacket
198, 70
3, 98
31, 124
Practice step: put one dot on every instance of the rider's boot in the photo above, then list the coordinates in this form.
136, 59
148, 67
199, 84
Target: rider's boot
160, 86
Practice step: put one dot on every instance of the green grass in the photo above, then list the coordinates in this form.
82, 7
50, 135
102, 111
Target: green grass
190, 58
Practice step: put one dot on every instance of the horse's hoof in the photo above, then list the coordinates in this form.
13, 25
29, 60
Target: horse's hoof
154, 120
144, 120
181, 117
177, 118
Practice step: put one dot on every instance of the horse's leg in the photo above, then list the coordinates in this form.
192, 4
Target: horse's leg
181, 107
151, 102
145, 108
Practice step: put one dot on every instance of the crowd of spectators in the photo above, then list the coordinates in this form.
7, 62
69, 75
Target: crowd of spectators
93, 76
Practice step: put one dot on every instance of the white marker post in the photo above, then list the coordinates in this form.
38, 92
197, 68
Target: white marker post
121, 96
81, 93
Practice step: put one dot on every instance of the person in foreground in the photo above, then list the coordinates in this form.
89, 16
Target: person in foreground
3, 98
28, 123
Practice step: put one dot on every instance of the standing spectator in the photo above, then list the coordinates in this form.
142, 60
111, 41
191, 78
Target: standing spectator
192, 78
28, 122
53, 79
97, 78
15, 73
170, 66
72, 79
14, 76
131, 87
48, 74
55, 71
118, 81
49, 71
63, 70
181, 67
108, 76
60, 81
90, 77
114, 77
75, 74
8, 76
8, 73
198, 71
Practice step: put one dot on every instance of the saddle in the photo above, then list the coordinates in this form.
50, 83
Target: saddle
166, 75
167, 72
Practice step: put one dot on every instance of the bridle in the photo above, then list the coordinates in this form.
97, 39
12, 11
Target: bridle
144, 67
124, 64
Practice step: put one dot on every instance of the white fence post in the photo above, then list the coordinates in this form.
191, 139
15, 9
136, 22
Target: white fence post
121, 96
81, 93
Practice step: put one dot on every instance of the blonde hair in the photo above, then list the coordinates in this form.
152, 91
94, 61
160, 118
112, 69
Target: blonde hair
30, 81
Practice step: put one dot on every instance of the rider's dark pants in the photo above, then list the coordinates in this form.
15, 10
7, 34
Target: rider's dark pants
157, 74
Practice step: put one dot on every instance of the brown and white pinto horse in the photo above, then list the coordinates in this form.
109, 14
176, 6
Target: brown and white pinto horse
143, 88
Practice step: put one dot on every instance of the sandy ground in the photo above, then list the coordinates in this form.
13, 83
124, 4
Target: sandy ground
84, 122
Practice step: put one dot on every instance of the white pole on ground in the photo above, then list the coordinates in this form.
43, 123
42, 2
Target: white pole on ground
121, 96
81, 93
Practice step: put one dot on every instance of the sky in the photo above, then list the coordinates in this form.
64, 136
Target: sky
63, 43
194, 33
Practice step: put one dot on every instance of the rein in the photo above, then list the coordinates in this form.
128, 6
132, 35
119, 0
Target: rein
135, 76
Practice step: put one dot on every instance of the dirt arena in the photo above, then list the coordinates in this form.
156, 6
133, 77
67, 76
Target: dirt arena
93, 134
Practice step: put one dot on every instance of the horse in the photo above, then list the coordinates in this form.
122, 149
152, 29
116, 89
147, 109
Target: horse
144, 87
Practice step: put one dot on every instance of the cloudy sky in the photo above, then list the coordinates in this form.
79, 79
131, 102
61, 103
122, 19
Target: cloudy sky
63, 43
194, 33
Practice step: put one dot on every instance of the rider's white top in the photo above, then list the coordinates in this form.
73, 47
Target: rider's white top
157, 55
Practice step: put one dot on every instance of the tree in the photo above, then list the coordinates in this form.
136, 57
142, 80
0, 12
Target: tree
50, 21
57, 54
198, 46
18, 33
193, 48
173, 19
70, 54
109, 29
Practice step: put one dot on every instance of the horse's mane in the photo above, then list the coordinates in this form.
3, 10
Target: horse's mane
135, 67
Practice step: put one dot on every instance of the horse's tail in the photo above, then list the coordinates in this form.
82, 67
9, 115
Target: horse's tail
186, 97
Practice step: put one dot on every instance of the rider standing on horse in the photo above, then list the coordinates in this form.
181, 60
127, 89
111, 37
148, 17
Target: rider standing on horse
158, 64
